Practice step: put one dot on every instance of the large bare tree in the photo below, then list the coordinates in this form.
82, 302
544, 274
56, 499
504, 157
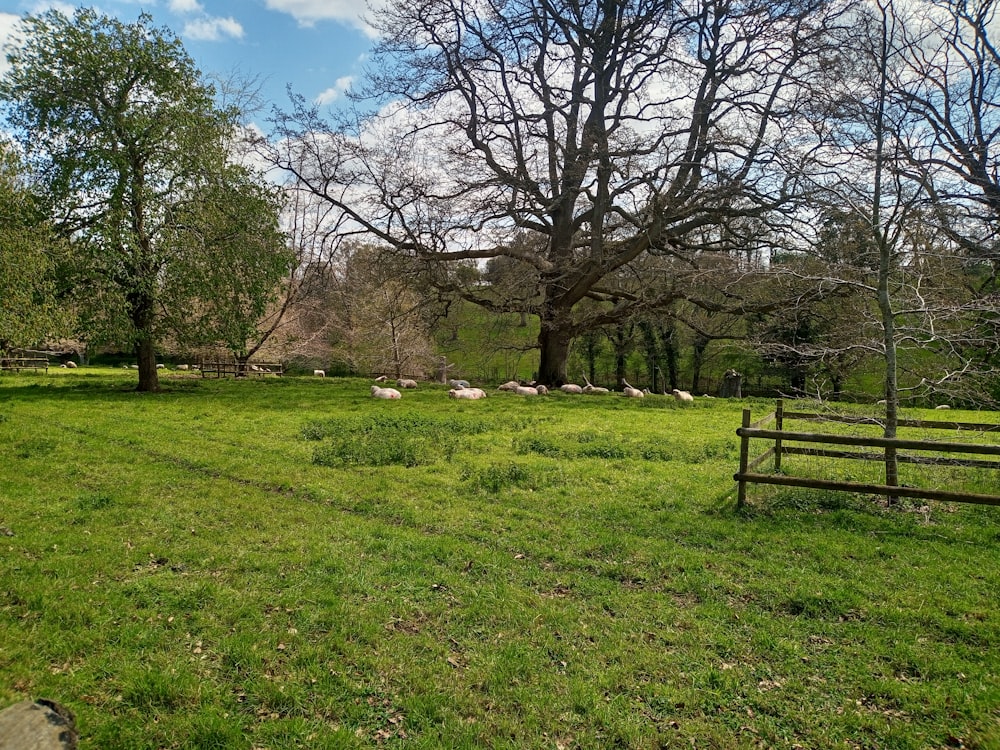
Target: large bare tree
610, 129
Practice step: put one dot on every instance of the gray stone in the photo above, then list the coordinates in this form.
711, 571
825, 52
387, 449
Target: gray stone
37, 725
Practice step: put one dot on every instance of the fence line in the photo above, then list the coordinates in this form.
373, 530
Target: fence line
780, 436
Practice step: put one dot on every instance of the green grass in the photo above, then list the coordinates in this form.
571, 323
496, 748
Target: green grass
288, 563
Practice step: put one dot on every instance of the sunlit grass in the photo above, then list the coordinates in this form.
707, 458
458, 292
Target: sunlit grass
181, 571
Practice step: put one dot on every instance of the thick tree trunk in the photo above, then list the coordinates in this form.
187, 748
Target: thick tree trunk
697, 360
553, 343
142, 313
145, 356
670, 349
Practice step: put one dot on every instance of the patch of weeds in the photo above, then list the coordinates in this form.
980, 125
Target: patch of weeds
538, 446
409, 423
3, 418
211, 731
314, 431
35, 447
94, 501
604, 450
497, 477
145, 688
664, 402
367, 450
819, 501
821, 606
599, 445
655, 452
405, 439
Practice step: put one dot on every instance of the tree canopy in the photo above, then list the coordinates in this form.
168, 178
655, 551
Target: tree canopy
126, 137
29, 253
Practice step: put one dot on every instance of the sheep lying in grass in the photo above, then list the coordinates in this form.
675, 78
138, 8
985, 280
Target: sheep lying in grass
458, 383
593, 390
571, 388
683, 397
526, 390
471, 394
388, 393
319, 373
406, 383
630, 392
510, 385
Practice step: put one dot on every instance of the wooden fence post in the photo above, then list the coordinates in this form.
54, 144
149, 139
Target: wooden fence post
741, 495
779, 416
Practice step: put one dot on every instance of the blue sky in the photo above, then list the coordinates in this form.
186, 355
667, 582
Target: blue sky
317, 46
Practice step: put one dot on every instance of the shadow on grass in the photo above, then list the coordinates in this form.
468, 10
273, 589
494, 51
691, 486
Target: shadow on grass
821, 510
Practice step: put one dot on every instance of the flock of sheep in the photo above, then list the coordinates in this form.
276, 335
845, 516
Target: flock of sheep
460, 389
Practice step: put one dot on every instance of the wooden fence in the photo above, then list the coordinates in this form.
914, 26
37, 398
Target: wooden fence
814, 444
16, 364
240, 370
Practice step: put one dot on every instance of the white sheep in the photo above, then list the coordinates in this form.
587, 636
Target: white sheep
406, 383
542, 390
942, 406
387, 393
571, 388
526, 390
183, 367
472, 394
381, 378
70, 364
593, 390
458, 383
630, 392
319, 373
510, 385
683, 397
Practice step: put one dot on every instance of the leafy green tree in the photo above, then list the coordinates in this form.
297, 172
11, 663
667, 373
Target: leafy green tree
129, 144
29, 311
232, 254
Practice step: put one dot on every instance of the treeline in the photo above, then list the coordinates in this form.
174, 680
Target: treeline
804, 191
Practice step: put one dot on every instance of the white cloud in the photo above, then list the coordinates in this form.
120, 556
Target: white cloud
213, 29
308, 12
8, 22
67, 9
335, 91
185, 6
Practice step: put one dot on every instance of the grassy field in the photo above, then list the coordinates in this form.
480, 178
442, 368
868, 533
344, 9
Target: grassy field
287, 563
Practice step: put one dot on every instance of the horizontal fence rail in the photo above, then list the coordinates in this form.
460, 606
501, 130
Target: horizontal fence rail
779, 437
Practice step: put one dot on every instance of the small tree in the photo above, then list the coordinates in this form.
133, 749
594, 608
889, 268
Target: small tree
232, 256
378, 316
